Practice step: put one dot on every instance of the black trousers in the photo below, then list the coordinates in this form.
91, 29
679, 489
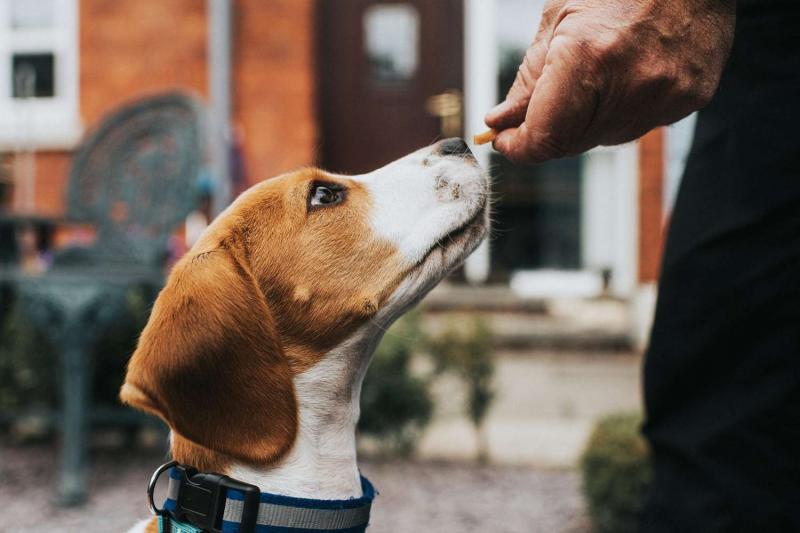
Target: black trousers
722, 373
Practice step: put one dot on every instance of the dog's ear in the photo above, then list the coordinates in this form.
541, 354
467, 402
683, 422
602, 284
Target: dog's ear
210, 362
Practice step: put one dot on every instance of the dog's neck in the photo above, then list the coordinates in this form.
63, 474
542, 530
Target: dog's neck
322, 461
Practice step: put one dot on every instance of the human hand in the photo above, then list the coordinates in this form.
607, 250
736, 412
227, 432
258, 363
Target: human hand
607, 71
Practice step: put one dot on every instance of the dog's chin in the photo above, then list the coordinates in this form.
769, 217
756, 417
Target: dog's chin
452, 249
442, 258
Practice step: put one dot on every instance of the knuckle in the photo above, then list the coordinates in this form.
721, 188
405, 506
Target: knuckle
552, 12
663, 80
524, 79
577, 51
594, 47
543, 146
705, 93
696, 100
660, 80
604, 48
696, 93
594, 44
696, 85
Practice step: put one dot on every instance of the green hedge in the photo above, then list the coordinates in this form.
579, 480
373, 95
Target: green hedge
396, 403
29, 377
30, 368
464, 348
616, 473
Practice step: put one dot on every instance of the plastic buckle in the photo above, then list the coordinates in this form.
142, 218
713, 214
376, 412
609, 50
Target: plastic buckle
201, 499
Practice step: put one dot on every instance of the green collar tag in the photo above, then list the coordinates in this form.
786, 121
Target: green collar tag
165, 525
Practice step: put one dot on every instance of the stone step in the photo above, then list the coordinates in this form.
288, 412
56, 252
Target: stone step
545, 406
485, 298
594, 325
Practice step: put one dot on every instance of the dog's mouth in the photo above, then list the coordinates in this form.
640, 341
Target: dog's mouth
459, 236
454, 236
442, 256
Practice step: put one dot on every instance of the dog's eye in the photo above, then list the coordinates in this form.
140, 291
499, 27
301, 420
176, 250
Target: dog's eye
325, 195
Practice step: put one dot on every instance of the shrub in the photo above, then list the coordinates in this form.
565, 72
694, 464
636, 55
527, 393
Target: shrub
616, 473
465, 349
396, 404
30, 369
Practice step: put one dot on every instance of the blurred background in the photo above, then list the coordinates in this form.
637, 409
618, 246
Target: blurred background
508, 401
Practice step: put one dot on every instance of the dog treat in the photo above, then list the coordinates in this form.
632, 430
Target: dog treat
485, 137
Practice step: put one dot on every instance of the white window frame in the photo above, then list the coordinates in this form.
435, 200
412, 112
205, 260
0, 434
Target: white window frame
41, 123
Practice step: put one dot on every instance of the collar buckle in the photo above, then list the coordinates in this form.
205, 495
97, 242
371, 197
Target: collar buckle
201, 500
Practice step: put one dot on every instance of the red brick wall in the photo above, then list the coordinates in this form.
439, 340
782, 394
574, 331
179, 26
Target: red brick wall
274, 84
132, 47
129, 48
51, 182
651, 198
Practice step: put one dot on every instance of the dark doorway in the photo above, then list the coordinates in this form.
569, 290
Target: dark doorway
537, 210
390, 78
537, 216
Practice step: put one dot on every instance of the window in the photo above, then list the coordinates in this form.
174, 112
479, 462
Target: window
39, 73
391, 39
32, 75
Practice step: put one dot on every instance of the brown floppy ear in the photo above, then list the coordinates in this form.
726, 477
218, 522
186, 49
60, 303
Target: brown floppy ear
210, 362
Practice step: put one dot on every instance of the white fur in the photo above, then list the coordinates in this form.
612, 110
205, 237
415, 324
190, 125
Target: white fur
140, 527
417, 201
322, 462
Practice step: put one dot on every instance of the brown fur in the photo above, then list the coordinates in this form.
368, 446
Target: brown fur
152, 526
270, 287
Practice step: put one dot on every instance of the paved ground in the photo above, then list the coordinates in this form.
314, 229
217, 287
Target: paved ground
546, 404
415, 497
560, 366
548, 396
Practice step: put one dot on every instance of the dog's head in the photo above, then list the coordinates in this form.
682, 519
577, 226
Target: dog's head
291, 270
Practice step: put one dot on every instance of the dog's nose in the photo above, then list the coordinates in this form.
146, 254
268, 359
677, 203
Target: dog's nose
454, 146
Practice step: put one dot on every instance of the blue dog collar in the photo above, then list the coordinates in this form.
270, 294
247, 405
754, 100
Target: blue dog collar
190, 508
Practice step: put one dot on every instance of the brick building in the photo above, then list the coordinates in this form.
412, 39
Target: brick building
111, 52
294, 85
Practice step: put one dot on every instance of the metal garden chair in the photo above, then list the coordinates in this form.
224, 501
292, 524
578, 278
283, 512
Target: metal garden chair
132, 179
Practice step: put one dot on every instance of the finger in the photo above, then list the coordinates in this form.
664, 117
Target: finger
559, 113
511, 142
507, 114
511, 112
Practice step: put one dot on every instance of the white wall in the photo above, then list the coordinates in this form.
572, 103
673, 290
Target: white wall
517, 22
480, 95
609, 215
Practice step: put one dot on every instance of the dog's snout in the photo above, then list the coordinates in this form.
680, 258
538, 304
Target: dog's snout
455, 146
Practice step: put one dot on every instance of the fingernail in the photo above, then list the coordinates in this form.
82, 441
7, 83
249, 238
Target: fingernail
499, 109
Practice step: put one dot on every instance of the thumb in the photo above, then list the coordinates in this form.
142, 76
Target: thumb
507, 114
561, 110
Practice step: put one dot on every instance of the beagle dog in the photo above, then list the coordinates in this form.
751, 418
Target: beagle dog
256, 347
